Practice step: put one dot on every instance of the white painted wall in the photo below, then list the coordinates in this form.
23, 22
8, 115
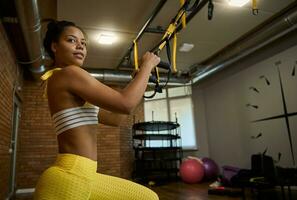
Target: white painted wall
200, 126
224, 122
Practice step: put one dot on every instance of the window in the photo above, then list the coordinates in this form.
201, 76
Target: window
174, 104
156, 110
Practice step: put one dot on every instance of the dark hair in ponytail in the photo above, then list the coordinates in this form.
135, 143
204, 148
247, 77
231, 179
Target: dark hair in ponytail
53, 33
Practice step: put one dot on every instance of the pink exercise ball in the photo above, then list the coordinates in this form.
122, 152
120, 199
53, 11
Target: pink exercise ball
191, 171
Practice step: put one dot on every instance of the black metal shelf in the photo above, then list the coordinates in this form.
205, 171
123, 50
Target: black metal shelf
157, 148
156, 137
170, 170
159, 177
155, 126
156, 163
158, 159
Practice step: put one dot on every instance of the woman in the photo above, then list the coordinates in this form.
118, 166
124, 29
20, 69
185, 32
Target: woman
74, 98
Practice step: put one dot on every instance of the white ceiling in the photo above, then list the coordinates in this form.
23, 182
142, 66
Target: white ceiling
126, 18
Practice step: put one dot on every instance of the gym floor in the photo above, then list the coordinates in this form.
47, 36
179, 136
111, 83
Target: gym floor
182, 191
176, 191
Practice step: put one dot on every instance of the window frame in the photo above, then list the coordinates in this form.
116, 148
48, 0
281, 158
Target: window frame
186, 148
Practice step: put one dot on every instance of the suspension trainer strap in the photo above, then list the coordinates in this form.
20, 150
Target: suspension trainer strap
179, 18
182, 2
135, 55
255, 7
174, 53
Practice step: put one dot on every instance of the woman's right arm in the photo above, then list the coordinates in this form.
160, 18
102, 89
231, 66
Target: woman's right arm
82, 84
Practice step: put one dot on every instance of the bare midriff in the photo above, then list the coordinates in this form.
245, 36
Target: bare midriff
81, 141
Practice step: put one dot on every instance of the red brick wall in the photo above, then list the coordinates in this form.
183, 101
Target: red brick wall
108, 150
10, 76
127, 153
38, 146
115, 153
37, 140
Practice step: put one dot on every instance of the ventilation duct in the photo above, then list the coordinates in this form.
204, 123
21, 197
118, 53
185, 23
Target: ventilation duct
28, 17
109, 76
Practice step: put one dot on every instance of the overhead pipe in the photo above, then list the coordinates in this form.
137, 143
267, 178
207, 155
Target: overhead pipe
110, 76
276, 29
28, 17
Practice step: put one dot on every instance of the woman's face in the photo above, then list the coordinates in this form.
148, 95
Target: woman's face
71, 47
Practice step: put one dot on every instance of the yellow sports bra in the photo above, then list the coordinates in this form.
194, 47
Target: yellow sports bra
72, 117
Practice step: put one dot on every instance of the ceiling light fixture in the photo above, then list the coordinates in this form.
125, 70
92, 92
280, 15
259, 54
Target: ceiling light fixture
186, 47
106, 39
238, 3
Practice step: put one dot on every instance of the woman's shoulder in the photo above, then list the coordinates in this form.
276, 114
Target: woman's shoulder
73, 69
70, 71
71, 77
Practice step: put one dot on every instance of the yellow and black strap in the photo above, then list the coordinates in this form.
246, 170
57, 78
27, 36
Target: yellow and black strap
179, 19
255, 7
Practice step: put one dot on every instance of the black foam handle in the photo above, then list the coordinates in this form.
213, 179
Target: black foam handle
153, 79
164, 65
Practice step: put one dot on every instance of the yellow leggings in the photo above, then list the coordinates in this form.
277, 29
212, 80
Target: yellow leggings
75, 177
